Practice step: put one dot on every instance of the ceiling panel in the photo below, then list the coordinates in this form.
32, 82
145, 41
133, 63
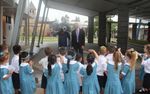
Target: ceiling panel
70, 2
137, 7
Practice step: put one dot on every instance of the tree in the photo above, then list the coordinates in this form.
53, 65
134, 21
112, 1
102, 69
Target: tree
65, 22
55, 26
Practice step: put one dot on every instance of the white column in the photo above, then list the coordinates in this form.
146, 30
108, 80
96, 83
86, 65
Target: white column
18, 18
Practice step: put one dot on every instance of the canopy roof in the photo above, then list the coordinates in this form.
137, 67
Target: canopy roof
137, 8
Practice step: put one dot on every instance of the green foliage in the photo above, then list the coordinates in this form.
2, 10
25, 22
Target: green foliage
96, 25
140, 42
114, 27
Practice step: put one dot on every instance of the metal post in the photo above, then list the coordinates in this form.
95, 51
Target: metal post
90, 29
1, 23
138, 30
35, 28
44, 26
28, 30
25, 31
20, 25
20, 11
41, 29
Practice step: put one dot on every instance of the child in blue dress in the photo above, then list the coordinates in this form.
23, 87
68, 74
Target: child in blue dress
146, 65
80, 77
27, 81
71, 81
128, 72
90, 81
6, 86
54, 81
113, 84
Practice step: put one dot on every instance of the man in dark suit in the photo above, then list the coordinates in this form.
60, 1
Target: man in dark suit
78, 39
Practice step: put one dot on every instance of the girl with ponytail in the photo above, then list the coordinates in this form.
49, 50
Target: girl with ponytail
54, 81
90, 81
113, 84
70, 69
128, 72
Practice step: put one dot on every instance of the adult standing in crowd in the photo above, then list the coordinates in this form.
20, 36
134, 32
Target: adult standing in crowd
78, 39
63, 37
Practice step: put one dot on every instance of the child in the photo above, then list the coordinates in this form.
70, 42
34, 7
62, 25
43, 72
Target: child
146, 64
71, 81
101, 68
90, 81
62, 52
113, 84
15, 64
27, 81
54, 82
6, 86
79, 60
128, 72
44, 63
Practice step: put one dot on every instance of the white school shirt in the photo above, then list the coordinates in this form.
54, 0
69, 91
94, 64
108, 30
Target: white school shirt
15, 63
109, 57
146, 64
44, 62
101, 65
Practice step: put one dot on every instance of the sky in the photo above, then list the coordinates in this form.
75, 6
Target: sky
57, 14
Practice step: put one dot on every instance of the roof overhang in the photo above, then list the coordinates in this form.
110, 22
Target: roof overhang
137, 8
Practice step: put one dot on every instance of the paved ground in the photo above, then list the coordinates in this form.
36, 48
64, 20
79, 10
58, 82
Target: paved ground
39, 53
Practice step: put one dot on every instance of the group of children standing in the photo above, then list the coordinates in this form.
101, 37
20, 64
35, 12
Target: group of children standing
16, 77
109, 72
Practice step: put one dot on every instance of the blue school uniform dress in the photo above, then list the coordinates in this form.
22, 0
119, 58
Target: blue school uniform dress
128, 81
6, 86
113, 84
27, 81
90, 82
54, 82
71, 81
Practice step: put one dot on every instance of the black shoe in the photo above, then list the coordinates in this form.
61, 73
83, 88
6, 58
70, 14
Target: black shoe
142, 91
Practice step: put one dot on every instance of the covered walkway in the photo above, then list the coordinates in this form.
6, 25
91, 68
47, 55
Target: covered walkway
14, 14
